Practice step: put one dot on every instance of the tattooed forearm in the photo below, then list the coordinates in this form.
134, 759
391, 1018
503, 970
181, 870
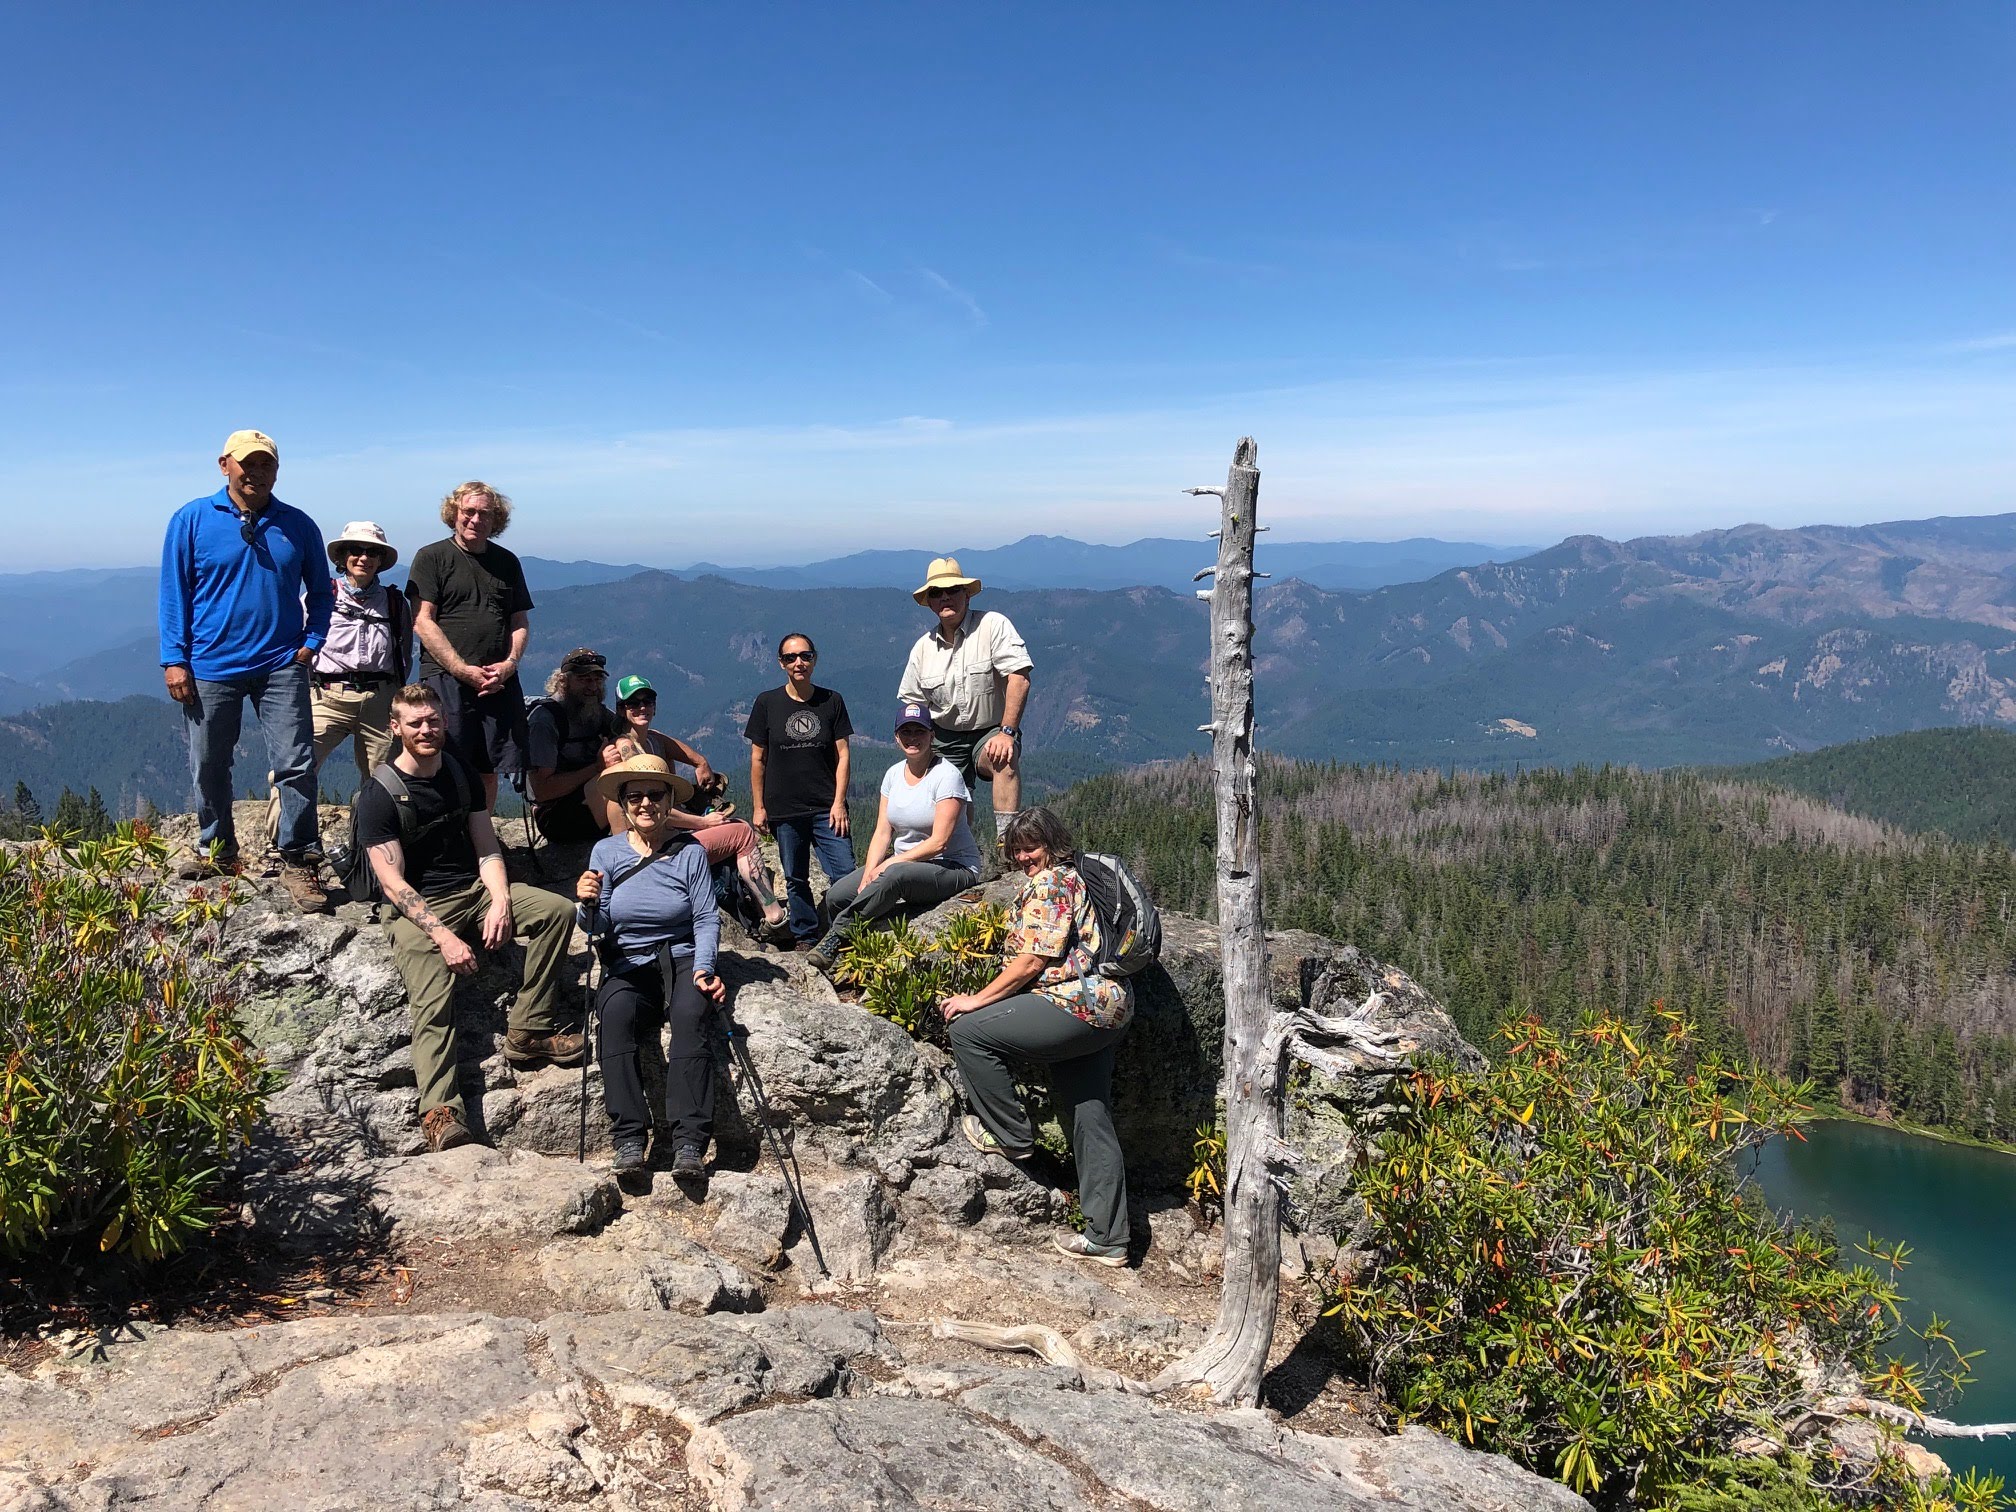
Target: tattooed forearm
411, 904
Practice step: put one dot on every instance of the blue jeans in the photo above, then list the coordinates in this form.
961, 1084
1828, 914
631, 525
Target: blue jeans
282, 701
796, 840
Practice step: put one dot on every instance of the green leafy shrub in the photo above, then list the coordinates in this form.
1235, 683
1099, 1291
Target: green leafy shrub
1570, 1269
1206, 1181
901, 975
124, 1080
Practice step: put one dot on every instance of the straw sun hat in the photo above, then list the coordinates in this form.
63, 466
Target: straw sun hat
606, 787
945, 573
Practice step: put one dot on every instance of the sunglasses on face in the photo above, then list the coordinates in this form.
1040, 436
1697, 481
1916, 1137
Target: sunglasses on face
641, 701
793, 656
935, 594
632, 797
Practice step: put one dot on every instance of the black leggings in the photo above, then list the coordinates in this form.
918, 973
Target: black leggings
638, 995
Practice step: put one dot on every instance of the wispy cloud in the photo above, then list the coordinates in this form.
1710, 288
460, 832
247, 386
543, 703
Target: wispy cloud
1489, 448
869, 287
1994, 341
956, 295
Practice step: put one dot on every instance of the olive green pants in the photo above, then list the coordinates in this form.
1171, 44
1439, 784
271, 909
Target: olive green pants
541, 919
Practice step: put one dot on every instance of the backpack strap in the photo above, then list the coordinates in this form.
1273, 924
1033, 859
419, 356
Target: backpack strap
411, 830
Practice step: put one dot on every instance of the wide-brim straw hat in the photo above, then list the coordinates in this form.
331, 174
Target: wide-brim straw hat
604, 788
944, 573
363, 533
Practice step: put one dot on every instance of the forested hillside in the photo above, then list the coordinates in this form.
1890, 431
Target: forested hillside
1822, 944
1962, 782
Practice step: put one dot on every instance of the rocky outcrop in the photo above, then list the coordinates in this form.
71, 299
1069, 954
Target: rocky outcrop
806, 1409
672, 1352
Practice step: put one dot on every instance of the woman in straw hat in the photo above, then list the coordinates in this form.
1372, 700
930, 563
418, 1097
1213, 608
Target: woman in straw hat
364, 660
648, 899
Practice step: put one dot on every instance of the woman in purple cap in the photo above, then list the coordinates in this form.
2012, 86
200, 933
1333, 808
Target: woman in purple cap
922, 852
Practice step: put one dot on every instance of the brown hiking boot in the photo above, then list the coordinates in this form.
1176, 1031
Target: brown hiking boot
301, 884
198, 867
443, 1129
522, 1046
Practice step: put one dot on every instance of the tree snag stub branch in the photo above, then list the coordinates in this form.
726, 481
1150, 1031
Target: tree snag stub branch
1233, 1356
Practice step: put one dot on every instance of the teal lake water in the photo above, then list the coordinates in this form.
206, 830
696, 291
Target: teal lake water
1956, 1207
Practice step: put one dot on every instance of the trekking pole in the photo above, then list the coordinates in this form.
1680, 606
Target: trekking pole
589, 1018
787, 1162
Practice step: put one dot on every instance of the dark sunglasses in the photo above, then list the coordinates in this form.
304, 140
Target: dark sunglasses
799, 656
634, 796
640, 701
248, 530
943, 593
593, 663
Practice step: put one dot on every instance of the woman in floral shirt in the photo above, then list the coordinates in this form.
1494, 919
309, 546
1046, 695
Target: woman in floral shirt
1048, 1005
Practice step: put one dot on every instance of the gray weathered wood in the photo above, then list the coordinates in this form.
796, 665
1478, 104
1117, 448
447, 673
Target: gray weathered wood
1233, 1357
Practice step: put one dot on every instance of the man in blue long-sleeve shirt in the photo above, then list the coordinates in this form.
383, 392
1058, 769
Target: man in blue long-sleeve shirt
245, 602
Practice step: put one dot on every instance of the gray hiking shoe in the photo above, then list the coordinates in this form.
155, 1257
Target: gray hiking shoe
1078, 1247
628, 1158
689, 1162
197, 866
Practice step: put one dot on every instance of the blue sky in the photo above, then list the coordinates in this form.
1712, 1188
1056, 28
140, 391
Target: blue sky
764, 283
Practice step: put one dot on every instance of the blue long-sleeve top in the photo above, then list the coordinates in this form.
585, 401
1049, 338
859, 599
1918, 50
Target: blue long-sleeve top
231, 609
668, 903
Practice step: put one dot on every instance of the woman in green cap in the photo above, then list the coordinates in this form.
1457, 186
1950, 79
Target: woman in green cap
725, 837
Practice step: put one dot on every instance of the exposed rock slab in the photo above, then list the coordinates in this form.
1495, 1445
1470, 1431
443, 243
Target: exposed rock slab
876, 1455
641, 1262
474, 1191
1177, 1461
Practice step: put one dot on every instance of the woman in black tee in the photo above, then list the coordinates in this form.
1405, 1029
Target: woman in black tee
798, 771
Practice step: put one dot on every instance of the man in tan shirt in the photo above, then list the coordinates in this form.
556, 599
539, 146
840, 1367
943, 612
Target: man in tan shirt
972, 672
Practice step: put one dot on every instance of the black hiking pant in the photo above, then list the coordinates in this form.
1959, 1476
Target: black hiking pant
632, 1003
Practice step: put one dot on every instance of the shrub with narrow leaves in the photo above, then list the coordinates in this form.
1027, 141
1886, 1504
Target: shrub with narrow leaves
1570, 1268
902, 975
125, 1082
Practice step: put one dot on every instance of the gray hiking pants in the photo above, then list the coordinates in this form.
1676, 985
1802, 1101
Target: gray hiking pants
1078, 1058
905, 887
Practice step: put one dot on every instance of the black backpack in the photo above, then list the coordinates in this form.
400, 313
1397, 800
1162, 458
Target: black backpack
1130, 931
350, 863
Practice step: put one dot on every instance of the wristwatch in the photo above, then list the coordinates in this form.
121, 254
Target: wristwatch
1013, 732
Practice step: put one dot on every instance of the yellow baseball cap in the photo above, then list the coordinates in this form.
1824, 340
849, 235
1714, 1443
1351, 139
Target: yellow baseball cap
241, 444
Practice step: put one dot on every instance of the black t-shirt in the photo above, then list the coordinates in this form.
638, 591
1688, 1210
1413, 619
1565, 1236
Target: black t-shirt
474, 596
800, 749
441, 857
568, 741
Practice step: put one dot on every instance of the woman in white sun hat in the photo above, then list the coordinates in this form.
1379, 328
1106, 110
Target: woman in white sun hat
369, 650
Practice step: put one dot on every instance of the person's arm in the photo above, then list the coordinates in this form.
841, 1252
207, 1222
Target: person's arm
878, 843
1003, 748
911, 688
549, 783
521, 637
757, 817
434, 640
177, 586
319, 587
838, 817
706, 913
388, 865
1015, 976
490, 867
686, 753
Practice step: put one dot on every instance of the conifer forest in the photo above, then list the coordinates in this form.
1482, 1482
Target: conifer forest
1820, 944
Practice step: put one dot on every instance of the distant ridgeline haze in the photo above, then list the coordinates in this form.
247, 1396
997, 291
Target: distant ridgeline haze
1820, 944
1730, 646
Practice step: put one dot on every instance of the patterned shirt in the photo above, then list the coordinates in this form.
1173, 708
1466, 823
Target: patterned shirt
1055, 918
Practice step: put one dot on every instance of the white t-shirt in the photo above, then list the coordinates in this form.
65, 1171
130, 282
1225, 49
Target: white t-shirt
913, 812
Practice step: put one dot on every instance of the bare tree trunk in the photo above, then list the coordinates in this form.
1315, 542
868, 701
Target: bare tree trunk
1233, 1357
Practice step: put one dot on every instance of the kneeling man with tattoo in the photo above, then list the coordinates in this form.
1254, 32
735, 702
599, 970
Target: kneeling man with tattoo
424, 823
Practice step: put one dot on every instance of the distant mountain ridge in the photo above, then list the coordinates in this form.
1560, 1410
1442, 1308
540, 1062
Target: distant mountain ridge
1726, 646
63, 634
